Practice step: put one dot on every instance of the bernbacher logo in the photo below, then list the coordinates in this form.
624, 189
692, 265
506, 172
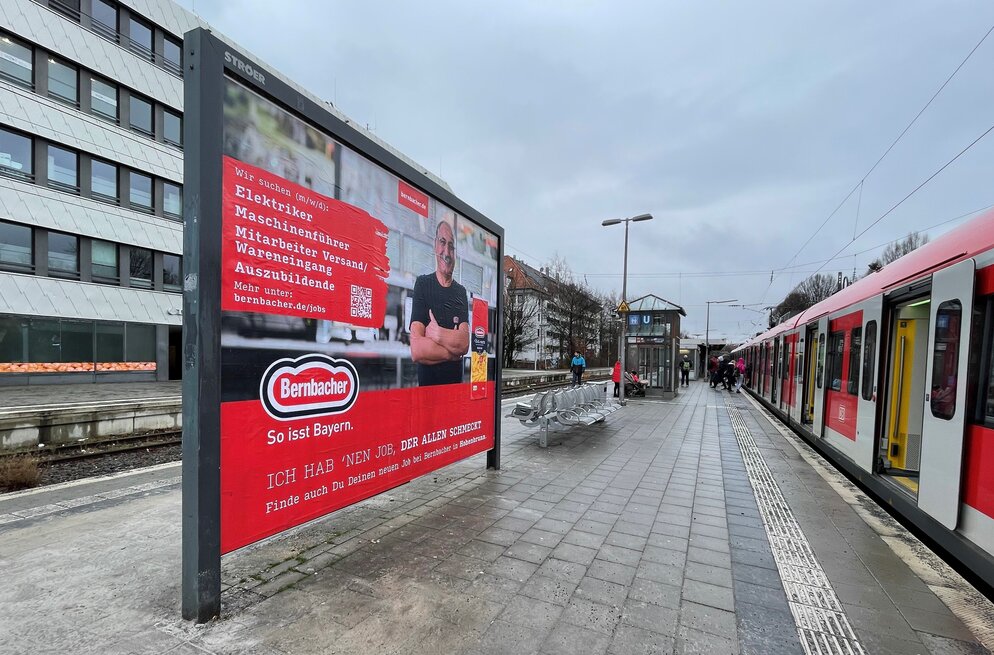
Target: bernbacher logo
312, 385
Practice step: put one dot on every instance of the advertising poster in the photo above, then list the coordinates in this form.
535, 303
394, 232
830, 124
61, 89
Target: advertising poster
357, 331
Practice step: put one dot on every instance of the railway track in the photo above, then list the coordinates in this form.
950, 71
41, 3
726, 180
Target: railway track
114, 446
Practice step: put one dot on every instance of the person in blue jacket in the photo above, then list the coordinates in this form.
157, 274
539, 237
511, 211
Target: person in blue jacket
577, 366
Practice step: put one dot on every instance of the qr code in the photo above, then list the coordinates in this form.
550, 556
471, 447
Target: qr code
361, 302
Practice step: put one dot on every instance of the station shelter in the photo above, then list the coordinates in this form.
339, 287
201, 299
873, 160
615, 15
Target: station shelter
652, 338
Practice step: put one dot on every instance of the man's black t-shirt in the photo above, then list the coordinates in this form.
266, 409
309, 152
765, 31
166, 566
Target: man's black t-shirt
451, 309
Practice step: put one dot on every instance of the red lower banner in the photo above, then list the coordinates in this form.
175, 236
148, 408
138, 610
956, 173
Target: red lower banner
276, 474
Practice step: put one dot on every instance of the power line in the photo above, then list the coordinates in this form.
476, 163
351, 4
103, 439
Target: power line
734, 273
900, 136
519, 250
913, 192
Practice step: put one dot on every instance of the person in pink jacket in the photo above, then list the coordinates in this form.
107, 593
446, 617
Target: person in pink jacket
616, 377
741, 366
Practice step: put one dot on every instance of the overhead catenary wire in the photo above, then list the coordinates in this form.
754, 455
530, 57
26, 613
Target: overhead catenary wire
886, 152
803, 265
911, 193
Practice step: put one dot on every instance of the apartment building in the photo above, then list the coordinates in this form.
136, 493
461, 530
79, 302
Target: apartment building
91, 190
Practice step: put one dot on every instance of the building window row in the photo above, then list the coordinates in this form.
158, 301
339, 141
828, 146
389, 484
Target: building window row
26, 249
32, 159
49, 75
52, 345
121, 25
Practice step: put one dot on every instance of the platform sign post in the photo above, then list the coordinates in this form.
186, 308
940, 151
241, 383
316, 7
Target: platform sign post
341, 316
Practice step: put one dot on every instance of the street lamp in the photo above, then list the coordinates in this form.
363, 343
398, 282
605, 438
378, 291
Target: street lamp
707, 325
624, 296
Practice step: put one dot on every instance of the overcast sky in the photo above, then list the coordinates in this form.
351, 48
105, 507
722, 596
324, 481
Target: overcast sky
739, 125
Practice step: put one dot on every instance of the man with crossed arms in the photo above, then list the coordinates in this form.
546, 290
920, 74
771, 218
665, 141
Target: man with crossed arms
439, 317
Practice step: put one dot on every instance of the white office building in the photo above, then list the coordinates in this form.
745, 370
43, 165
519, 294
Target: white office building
91, 189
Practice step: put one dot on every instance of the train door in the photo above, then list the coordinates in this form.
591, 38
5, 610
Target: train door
945, 398
764, 364
808, 385
774, 368
793, 368
901, 440
786, 348
818, 402
797, 385
787, 373
866, 383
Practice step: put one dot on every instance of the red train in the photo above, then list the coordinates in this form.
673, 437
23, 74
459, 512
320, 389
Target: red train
893, 379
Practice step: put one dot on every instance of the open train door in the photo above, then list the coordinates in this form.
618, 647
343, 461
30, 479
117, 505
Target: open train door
797, 393
866, 399
818, 415
945, 396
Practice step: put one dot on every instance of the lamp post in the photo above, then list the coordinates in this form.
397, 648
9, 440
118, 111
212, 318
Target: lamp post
707, 325
624, 296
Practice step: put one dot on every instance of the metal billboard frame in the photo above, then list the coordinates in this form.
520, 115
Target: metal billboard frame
207, 62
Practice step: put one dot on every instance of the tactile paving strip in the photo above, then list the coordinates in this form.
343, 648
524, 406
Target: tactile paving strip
821, 623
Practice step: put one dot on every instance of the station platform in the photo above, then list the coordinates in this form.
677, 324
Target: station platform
687, 526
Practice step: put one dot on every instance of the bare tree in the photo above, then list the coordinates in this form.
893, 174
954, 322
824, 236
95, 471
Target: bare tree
897, 250
573, 310
609, 330
520, 322
809, 292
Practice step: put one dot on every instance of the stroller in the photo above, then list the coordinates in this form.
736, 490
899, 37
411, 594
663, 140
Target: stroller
633, 386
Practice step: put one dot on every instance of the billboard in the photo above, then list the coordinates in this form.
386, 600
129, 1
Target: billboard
346, 366
341, 314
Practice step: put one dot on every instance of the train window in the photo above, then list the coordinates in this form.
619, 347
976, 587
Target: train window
987, 404
978, 377
945, 359
821, 359
868, 361
855, 349
833, 362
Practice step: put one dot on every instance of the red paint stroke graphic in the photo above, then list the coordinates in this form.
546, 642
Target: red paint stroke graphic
289, 251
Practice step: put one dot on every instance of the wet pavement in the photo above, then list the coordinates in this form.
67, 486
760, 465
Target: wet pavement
674, 527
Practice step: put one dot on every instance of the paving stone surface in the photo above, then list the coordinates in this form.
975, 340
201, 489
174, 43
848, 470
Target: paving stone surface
641, 535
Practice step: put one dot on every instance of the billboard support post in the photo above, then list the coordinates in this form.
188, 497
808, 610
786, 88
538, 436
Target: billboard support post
201, 551
493, 455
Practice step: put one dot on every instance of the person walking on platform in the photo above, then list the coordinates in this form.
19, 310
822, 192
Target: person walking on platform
718, 373
685, 372
730, 375
577, 366
712, 369
616, 377
740, 367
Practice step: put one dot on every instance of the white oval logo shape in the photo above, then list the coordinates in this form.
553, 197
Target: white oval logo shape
310, 385
480, 332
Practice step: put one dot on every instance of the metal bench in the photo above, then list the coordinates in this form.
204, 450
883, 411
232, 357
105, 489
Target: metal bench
584, 405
